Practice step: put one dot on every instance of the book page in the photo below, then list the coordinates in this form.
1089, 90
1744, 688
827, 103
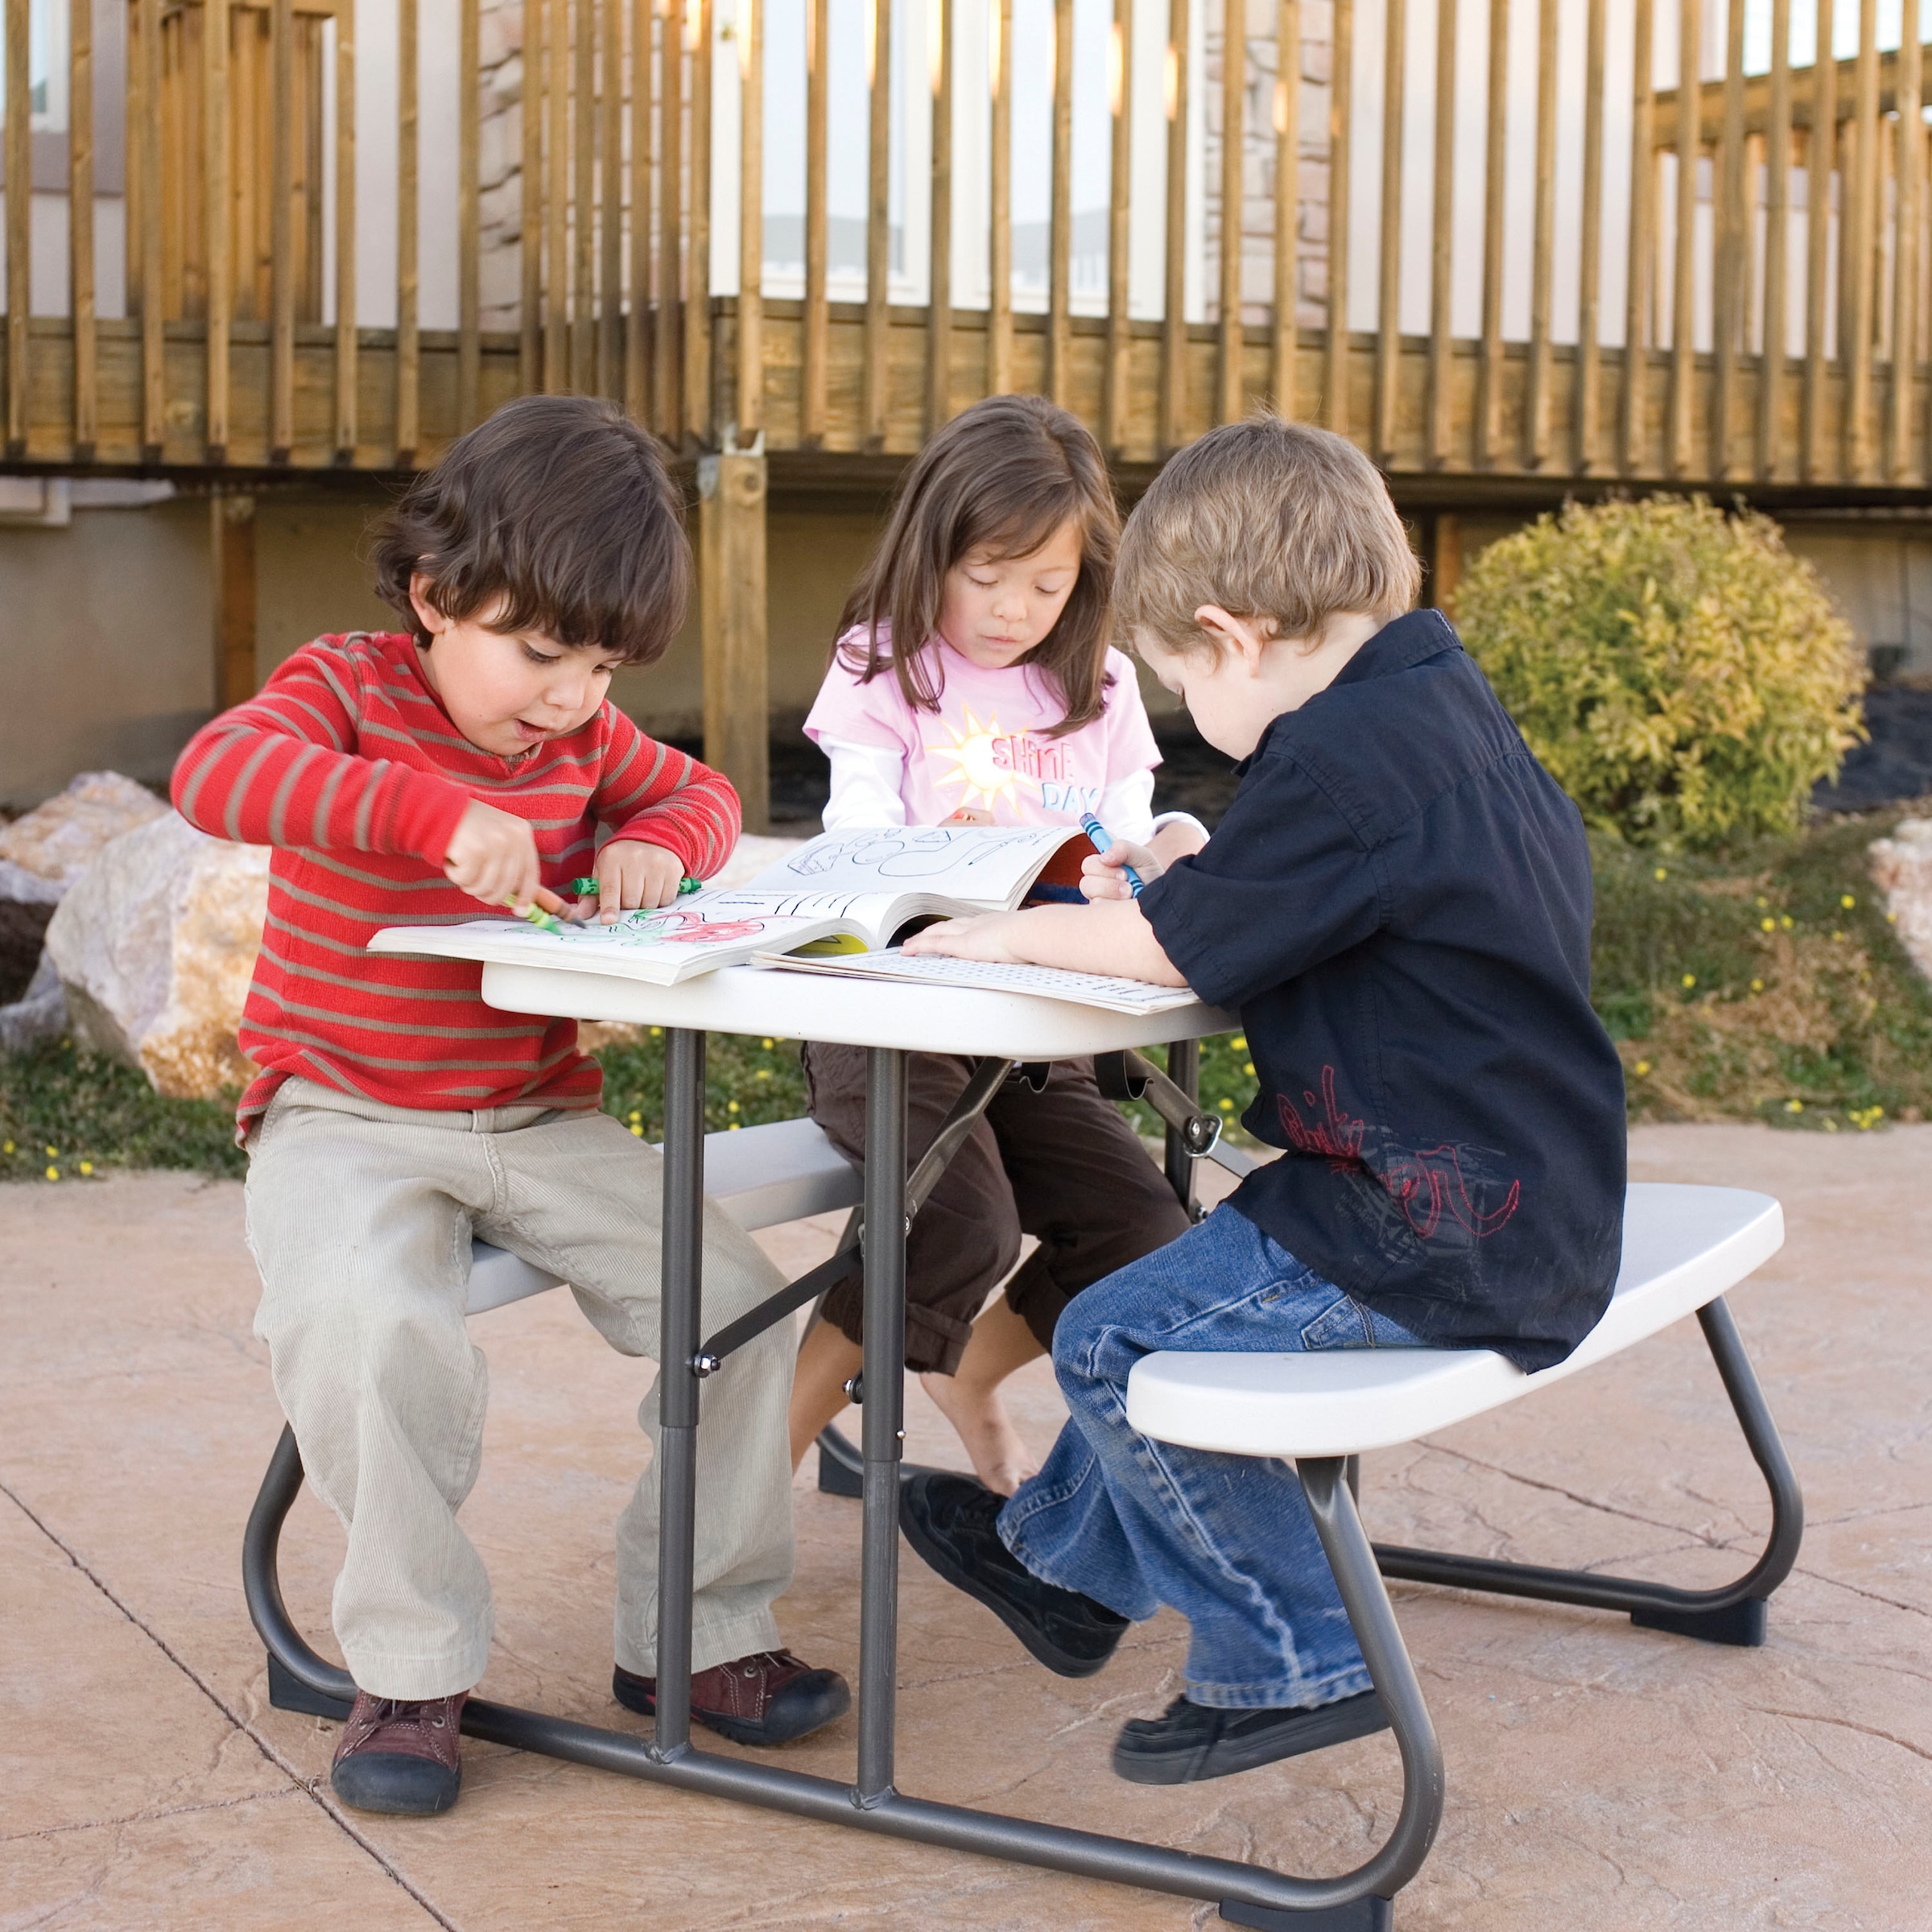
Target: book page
1049, 982
984, 864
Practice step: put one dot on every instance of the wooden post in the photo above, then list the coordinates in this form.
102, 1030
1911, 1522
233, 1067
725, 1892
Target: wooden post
144, 141
879, 215
1777, 189
1445, 560
409, 340
1388, 288
999, 196
1489, 390
345, 238
1234, 78
1287, 200
1633, 412
698, 400
1173, 312
1819, 141
731, 566
1536, 408
1731, 280
1059, 212
556, 134
751, 220
1899, 464
216, 221
1441, 242
81, 220
469, 258
530, 188
1683, 279
939, 344
231, 546
1335, 384
1115, 408
612, 372
815, 346
1859, 250
19, 192
1589, 326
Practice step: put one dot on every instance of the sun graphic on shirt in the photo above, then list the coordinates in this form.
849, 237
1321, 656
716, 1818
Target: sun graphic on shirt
981, 781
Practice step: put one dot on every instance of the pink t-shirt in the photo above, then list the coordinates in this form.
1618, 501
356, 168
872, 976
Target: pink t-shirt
987, 745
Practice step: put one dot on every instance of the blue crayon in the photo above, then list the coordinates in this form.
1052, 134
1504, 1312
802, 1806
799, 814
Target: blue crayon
1102, 839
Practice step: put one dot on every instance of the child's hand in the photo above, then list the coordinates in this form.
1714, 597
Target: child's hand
632, 873
968, 814
492, 856
1101, 875
984, 938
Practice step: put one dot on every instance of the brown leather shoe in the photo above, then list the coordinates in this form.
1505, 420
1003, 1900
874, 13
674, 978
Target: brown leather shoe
769, 1698
399, 1755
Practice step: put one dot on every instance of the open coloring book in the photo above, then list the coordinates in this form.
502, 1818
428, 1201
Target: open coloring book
859, 887
1104, 990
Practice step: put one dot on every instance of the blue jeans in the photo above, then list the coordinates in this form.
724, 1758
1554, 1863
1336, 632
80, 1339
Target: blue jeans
1226, 1540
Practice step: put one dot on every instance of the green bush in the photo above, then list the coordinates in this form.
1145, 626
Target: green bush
1682, 676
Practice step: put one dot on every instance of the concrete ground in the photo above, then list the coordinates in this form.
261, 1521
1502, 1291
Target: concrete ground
1599, 1777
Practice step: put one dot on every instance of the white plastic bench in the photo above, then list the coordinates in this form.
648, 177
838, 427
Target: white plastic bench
1683, 1247
760, 1176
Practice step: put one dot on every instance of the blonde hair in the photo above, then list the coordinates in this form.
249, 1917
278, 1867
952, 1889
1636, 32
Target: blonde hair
1267, 519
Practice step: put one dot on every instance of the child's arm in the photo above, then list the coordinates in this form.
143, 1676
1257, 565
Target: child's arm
866, 781
675, 818
276, 771
1114, 938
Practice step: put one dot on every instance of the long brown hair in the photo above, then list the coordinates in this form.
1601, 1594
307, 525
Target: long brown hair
1006, 475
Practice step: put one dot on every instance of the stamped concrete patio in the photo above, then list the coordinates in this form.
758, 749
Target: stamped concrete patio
1599, 1777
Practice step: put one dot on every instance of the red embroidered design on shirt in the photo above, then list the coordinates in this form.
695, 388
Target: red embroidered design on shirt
1422, 1185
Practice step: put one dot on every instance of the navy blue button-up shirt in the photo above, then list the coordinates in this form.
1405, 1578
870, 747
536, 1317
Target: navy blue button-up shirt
1399, 903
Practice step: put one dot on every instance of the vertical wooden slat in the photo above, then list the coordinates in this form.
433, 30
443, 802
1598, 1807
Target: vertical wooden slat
1234, 80
1683, 276
611, 197
469, 258
1731, 285
938, 331
751, 221
1860, 246
582, 93
154, 396
1778, 221
556, 149
1900, 464
215, 219
346, 236
1634, 393
879, 215
530, 344
698, 402
1173, 312
815, 349
80, 221
999, 186
1287, 200
675, 277
1341, 93
1750, 249
732, 566
1585, 413
1489, 398
1819, 142
281, 231
1388, 296
1115, 406
636, 378
1441, 242
408, 214
1542, 266
19, 211
1060, 225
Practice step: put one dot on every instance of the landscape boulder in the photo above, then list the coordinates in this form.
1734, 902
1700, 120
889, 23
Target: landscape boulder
155, 948
1902, 867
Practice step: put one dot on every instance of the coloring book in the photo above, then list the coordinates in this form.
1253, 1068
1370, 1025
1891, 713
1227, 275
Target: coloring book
1099, 989
843, 889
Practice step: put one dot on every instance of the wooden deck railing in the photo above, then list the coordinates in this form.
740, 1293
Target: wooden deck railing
1541, 266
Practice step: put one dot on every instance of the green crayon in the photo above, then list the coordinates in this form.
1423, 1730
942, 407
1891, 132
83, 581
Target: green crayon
582, 887
546, 921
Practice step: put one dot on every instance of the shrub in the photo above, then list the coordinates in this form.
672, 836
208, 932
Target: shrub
1682, 676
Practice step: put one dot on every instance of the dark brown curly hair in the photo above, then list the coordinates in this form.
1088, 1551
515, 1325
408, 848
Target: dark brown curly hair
1006, 475
555, 516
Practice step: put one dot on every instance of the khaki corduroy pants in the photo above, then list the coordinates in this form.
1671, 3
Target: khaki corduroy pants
360, 1217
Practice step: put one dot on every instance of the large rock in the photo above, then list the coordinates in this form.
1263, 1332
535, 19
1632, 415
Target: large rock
155, 948
1902, 866
44, 853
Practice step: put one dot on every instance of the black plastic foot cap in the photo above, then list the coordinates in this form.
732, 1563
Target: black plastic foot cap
1358, 1915
287, 1692
1739, 1623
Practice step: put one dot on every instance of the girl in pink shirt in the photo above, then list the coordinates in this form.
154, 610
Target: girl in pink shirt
1010, 710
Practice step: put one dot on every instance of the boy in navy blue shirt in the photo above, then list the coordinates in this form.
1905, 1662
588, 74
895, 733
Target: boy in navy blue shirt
1398, 902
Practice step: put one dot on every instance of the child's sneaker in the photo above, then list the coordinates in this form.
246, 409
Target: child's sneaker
400, 1755
953, 1521
1189, 1742
770, 1697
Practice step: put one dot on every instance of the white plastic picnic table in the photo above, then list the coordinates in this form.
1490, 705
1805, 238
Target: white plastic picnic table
999, 1030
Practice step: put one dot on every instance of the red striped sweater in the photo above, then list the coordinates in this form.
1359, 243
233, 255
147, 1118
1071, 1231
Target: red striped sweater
348, 765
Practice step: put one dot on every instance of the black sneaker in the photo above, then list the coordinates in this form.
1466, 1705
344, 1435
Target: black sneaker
1189, 1742
949, 1520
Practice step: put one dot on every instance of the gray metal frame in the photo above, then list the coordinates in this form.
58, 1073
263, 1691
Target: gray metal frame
1359, 1901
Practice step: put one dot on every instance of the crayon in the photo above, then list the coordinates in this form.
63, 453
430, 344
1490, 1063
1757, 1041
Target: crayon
583, 887
1102, 839
544, 922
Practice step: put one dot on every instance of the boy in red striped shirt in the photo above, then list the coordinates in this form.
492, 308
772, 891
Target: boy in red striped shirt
401, 778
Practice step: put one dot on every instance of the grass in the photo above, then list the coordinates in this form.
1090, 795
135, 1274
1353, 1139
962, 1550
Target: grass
1766, 984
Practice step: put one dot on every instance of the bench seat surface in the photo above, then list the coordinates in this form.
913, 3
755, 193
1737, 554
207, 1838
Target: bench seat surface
760, 1176
1683, 1246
